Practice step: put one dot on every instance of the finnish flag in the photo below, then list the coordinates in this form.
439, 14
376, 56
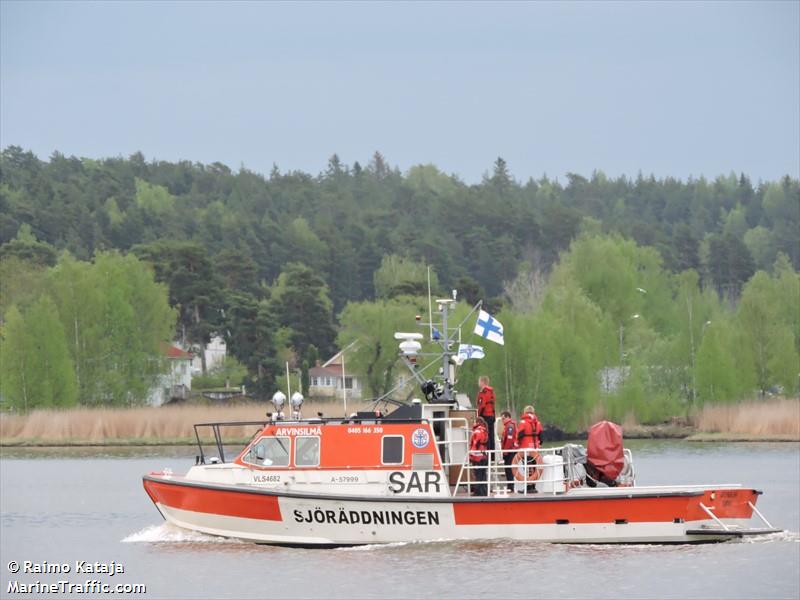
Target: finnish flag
489, 327
467, 351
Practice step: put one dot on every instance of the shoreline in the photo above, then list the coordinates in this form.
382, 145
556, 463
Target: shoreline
655, 432
771, 420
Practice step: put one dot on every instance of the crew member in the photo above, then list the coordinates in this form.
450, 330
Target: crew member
528, 434
508, 443
530, 429
478, 456
486, 402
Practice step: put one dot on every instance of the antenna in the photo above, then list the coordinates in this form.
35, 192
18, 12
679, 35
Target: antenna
430, 306
288, 382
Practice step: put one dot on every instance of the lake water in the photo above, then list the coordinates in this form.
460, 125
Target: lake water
65, 505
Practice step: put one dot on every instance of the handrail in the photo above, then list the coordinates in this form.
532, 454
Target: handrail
219, 442
496, 480
495, 469
315, 421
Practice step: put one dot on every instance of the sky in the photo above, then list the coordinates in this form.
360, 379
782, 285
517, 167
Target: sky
674, 89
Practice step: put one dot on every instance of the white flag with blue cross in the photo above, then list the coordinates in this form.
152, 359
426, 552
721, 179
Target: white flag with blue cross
467, 351
489, 327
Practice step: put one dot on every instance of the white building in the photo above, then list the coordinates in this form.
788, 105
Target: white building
329, 380
215, 353
177, 382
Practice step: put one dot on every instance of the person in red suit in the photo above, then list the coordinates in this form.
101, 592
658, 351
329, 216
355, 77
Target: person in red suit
530, 429
508, 443
478, 456
529, 435
486, 401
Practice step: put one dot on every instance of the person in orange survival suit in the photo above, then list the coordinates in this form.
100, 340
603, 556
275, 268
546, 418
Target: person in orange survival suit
478, 456
530, 429
508, 442
529, 435
486, 400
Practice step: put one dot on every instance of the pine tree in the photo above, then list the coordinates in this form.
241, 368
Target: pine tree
301, 303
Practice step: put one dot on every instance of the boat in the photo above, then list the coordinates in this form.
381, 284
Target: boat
401, 473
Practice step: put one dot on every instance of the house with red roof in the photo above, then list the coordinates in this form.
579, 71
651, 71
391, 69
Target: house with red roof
176, 383
332, 379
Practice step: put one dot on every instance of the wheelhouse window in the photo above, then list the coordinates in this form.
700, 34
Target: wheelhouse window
306, 451
392, 451
269, 452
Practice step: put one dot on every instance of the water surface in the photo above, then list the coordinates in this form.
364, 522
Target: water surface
63, 505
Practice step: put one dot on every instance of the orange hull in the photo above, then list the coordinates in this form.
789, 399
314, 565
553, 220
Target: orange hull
603, 516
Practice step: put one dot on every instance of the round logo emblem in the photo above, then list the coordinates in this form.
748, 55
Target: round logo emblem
420, 438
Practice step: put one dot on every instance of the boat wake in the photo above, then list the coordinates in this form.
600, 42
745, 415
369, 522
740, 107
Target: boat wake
781, 536
383, 546
368, 547
166, 533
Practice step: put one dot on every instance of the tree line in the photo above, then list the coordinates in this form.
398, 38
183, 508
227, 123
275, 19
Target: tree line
607, 332
288, 266
81, 332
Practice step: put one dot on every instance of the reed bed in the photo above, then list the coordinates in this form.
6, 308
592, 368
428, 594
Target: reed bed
779, 417
766, 419
168, 424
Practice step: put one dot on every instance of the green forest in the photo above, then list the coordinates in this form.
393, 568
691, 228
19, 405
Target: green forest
619, 296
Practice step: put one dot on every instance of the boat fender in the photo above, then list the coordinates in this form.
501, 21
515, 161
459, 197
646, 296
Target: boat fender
519, 470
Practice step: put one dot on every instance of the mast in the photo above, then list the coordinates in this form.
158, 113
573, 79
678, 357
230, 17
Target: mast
447, 383
439, 387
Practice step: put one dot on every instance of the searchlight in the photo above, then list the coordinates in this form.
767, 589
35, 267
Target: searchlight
278, 400
297, 402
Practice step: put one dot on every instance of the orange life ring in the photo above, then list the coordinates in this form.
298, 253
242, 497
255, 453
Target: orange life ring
518, 466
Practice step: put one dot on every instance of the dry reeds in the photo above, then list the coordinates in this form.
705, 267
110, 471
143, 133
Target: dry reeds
779, 417
148, 425
775, 418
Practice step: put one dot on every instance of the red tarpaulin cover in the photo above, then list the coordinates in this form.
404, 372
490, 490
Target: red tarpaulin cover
604, 449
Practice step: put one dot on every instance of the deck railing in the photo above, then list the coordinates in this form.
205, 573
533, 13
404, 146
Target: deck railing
534, 470
217, 431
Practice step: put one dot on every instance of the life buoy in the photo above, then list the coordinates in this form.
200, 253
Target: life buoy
518, 465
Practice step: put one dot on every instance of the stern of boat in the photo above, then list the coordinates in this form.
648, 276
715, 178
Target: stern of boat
726, 513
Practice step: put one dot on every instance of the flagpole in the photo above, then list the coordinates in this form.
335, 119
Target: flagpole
508, 386
478, 305
344, 387
288, 382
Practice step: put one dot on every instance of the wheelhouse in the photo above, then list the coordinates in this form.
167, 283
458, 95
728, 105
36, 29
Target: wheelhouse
418, 448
